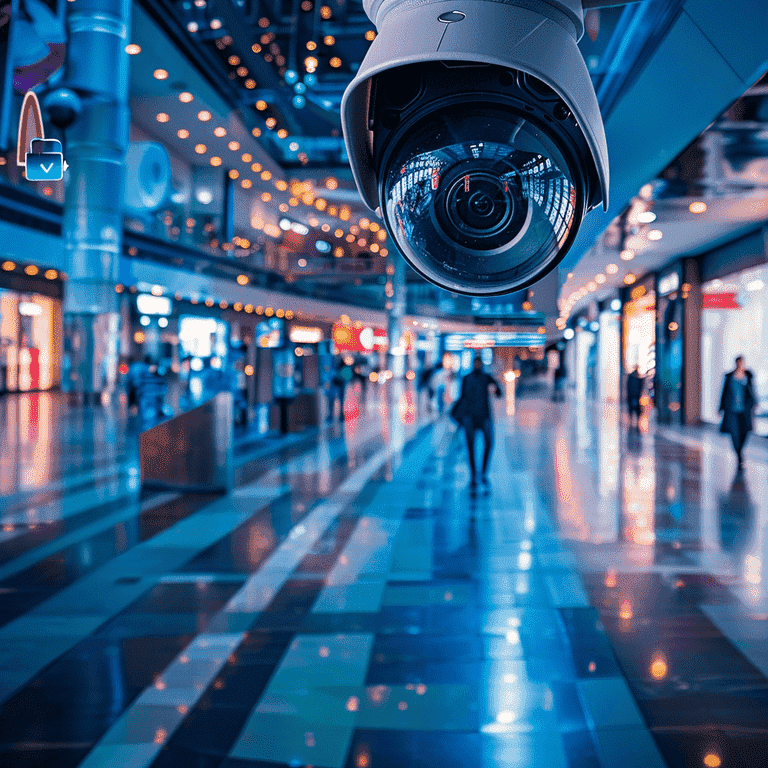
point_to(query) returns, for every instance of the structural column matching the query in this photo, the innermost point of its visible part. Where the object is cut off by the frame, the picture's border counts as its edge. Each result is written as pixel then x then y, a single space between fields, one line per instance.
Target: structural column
pixel 97 70
pixel 396 356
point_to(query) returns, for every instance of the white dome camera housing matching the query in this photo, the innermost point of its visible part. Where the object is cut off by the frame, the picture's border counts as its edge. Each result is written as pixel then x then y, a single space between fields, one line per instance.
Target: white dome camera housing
pixel 474 127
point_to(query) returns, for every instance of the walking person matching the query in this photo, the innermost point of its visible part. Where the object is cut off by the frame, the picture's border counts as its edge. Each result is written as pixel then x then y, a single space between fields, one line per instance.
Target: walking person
pixel 474 414
pixel 736 404
pixel 634 394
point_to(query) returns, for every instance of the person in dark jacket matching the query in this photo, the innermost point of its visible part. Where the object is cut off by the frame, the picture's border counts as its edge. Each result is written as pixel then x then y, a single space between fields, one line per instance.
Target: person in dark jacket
pixel 736 404
pixel 634 393
pixel 476 415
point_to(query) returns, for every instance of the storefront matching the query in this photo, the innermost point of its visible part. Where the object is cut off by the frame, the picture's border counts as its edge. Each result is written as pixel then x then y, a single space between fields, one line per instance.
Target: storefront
pixel 609 354
pixel 30 331
pixel 639 331
pixel 735 322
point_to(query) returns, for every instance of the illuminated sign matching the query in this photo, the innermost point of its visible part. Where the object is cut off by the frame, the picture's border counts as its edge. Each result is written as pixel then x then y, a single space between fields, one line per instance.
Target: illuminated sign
pixel 347 338
pixel 301 335
pixel 147 304
pixel 725 300
pixel 455 342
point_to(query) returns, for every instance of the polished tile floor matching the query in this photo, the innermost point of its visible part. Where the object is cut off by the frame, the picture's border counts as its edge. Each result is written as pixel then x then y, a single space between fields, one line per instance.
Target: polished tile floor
pixel 352 604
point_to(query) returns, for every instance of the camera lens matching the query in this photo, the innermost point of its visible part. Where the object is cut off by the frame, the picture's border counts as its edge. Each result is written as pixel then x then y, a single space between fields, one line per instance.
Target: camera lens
pixel 479 199
pixel 482 208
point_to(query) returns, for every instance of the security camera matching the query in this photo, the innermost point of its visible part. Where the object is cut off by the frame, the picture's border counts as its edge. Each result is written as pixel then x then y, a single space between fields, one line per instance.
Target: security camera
pixel 63 106
pixel 473 127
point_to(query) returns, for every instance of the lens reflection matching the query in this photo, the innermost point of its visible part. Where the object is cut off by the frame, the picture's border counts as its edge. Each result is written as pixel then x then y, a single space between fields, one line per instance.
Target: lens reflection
pixel 480 217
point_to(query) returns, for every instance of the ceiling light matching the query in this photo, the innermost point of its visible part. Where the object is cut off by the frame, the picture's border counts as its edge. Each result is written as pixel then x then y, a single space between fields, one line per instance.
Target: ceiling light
pixel 201 149
pixel 646 217
pixel 162 117
pixel 629 279
pixel 204 116
pixel 233 174
pixel 600 279
pixel 697 207
pixel 612 269
pixel 243 280
pixel 655 234
pixel 185 97
pixel 234 145
pixel 329 40
pixel 182 133
pixel 335 62
pixel 193 26
pixel 215 23
pixel 246 183
pixel 326 12
pixel 220 131
pixel 160 74
pixel 132 49
pixel 370 35
pixel 216 161
pixel 755 285
pixel 627 255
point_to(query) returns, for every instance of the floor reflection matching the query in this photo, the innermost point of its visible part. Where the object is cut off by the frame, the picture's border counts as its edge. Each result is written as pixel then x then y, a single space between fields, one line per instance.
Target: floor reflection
pixel 353 603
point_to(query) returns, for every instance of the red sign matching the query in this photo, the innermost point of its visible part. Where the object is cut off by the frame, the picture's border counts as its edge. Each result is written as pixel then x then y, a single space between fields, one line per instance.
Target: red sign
pixel 719 301
pixel 348 338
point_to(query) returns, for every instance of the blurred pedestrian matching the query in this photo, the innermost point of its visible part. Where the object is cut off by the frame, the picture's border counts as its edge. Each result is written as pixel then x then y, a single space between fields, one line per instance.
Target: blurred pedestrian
pixel 474 413
pixel 736 404
pixel 634 395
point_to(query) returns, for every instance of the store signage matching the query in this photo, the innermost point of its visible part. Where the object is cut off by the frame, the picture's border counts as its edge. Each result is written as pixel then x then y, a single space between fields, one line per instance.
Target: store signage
pixel 455 342
pixel 30 309
pixel 720 301
pixel 147 304
pixel 347 338
pixel 669 283
pixel 299 334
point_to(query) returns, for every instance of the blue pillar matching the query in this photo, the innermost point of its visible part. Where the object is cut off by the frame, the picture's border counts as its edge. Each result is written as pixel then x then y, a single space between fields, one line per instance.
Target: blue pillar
pixel 96 69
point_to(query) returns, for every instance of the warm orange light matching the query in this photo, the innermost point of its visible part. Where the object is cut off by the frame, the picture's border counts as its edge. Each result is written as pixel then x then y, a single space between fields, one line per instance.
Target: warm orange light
pixel 370 35
pixel 51 274
pixel 185 97
pixel 248 370
pixel 698 207
pixel 139 337
pixel 625 612
pixel 160 74
pixel 203 115
pixel 629 279
pixel 201 149
pixel 243 279
pixel 627 255
pixel 234 145
pixel 610 578
pixel 233 174
pixel 182 133
pixel 329 40
pixel 266 176
pixel 246 183
pixel 711 760
pixel 270 122
pixel 335 62
pixel 162 117
pixel 132 49
pixel 249 308
pixel 326 12
pixel 269 311
pixel 31 270
pixel 658 666
pixel 215 161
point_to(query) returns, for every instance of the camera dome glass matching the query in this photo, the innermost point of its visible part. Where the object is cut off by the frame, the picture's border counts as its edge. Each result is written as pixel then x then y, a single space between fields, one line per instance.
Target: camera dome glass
pixel 481 216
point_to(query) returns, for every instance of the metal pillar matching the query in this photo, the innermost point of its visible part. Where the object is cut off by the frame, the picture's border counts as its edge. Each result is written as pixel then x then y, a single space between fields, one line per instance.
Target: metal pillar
pixel 396 362
pixel 96 69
